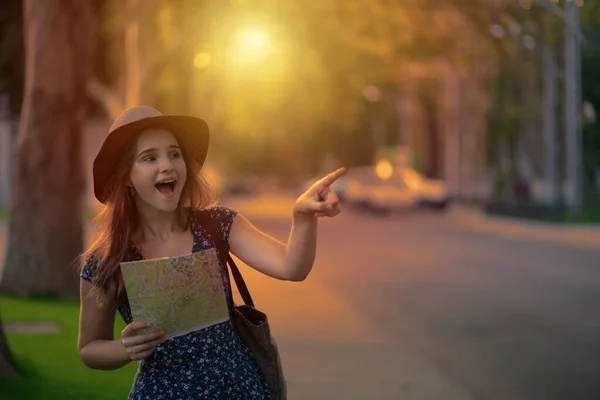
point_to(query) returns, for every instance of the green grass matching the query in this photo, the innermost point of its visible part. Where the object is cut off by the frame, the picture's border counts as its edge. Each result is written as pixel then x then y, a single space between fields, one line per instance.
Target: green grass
pixel 49 363
pixel 588 215
pixel 3 214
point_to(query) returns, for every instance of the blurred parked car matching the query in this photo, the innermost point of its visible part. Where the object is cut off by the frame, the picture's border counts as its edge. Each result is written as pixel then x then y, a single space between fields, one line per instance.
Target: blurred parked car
pixel 430 192
pixel 399 189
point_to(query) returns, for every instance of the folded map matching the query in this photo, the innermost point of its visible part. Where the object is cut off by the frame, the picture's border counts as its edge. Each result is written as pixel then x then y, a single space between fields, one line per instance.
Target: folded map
pixel 177 294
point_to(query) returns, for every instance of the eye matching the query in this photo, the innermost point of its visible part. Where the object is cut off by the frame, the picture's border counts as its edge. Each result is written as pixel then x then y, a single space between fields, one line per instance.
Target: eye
pixel 176 154
pixel 149 158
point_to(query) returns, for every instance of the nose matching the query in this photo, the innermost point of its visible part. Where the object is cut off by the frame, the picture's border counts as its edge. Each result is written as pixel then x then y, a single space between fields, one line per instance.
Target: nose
pixel 166 165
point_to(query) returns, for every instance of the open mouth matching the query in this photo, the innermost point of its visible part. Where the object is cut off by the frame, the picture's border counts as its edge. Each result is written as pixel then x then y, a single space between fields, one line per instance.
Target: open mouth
pixel 166 187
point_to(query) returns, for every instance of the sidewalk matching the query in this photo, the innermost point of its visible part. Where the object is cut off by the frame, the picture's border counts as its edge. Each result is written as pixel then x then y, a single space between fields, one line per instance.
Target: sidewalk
pixel 580 236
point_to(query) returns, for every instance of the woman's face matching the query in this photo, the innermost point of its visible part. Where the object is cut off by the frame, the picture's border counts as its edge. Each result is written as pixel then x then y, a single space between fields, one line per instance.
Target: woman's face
pixel 158 173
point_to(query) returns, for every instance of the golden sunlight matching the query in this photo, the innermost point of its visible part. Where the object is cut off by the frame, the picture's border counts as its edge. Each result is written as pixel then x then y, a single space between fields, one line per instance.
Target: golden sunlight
pixel 252 44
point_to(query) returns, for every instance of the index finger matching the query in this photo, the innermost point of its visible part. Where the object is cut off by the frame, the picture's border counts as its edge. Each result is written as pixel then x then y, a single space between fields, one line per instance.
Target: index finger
pixel 332 177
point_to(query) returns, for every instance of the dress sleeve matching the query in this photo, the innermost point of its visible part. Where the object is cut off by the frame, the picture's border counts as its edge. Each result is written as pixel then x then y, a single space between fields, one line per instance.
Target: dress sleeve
pixel 87 272
pixel 223 218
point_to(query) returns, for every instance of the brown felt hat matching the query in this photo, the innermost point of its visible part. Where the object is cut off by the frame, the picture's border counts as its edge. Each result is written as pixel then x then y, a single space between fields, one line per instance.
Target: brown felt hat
pixel 192 134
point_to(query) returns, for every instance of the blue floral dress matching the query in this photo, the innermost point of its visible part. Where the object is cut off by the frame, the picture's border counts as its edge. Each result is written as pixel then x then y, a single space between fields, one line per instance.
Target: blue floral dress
pixel 211 363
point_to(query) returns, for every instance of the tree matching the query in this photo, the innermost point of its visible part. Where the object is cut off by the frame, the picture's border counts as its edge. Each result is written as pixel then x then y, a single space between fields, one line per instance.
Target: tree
pixel 414 51
pixel 45 231
pixel 144 40
pixel 590 21
pixel 11 53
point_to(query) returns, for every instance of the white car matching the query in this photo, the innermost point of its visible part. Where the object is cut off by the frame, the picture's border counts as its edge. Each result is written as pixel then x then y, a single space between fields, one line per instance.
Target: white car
pixel 430 192
pixel 403 189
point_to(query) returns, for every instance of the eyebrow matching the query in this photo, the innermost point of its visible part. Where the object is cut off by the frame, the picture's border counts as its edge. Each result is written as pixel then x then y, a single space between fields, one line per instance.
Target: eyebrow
pixel 153 149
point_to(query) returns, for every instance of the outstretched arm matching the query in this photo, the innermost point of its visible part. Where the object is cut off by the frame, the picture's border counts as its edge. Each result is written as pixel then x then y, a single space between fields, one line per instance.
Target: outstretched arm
pixel 292 261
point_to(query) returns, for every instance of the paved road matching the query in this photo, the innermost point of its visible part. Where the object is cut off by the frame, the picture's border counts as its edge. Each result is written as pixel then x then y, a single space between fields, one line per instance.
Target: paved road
pixel 424 307
pixel 462 313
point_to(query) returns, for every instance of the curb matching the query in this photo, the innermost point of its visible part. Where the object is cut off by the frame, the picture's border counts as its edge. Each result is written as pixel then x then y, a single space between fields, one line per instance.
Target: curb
pixel 587 237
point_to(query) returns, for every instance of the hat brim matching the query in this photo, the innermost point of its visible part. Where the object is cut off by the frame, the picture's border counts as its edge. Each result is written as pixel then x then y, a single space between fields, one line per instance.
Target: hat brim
pixel 192 134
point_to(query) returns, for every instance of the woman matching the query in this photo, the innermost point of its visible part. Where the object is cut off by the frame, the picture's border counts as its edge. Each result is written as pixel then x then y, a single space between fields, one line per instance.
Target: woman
pixel 147 175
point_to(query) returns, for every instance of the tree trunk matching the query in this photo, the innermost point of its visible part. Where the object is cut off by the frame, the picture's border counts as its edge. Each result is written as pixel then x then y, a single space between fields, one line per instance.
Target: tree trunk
pixel 45 228
pixel 7 364
pixel 549 72
pixel 133 87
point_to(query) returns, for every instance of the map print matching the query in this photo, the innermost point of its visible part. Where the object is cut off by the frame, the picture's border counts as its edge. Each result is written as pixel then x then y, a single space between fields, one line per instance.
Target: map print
pixel 177 294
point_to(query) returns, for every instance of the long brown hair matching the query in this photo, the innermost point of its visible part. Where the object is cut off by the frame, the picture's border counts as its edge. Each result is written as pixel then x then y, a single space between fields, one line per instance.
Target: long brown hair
pixel 119 219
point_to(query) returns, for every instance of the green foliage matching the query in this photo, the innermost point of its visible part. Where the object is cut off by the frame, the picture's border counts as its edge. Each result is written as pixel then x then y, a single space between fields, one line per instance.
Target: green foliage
pixel 590 21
